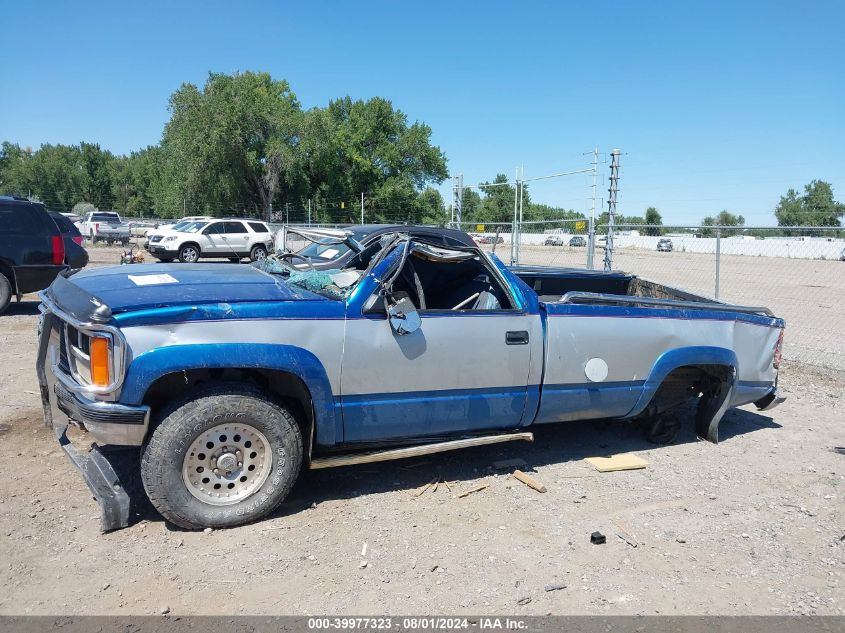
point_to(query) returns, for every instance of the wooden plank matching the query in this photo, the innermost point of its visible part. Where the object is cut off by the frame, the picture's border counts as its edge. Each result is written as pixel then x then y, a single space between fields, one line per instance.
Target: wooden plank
pixel 529 481
pixel 470 491
pixel 623 461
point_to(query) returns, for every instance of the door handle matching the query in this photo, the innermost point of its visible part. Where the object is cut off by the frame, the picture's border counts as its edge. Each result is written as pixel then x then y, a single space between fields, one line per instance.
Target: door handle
pixel 516 337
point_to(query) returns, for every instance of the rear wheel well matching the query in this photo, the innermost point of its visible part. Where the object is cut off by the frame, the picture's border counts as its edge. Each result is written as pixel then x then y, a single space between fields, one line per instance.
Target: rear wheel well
pixel 284 387
pixel 686 383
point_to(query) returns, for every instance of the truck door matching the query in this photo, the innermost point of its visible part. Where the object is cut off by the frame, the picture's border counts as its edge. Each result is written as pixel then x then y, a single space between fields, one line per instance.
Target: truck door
pixel 466 369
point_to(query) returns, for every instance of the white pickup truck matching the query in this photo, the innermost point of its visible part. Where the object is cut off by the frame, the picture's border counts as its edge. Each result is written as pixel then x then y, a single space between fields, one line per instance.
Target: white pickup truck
pixel 104 225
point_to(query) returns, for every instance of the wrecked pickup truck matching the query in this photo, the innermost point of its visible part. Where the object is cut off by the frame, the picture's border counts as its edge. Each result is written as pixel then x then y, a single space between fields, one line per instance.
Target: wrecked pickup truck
pixel 232 379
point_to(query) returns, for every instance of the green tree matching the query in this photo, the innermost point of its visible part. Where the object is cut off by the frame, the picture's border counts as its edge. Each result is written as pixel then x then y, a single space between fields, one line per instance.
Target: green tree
pixel 654 221
pixel 432 209
pixel 235 140
pixel 378 152
pixel 57 176
pixel 96 181
pixel 498 202
pixel 724 219
pixel 815 207
pixel 15 169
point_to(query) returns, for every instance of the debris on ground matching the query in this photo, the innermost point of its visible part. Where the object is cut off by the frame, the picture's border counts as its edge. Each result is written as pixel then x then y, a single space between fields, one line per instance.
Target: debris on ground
pixel 524 600
pixel 471 490
pixel 597 538
pixel 507 464
pixel 555 586
pixel 529 481
pixel 626 536
pixel 419 491
pixel 623 461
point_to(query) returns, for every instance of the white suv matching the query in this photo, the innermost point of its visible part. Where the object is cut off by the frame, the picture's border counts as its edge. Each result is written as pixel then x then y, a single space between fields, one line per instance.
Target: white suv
pixel 229 238
pixel 155 234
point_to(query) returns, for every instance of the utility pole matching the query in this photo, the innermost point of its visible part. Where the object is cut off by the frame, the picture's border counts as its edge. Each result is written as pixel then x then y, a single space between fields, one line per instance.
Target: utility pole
pixel 287 212
pixel 362 207
pixel 514 227
pixel 309 210
pixel 611 208
pixel 521 185
pixel 457 201
pixel 591 227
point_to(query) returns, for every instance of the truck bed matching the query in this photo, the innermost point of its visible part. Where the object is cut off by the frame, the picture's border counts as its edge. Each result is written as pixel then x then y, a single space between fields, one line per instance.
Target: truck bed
pixel 577 286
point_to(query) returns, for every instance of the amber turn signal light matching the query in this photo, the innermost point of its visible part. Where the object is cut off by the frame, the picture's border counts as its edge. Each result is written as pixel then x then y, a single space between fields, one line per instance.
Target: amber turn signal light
pixel 100 362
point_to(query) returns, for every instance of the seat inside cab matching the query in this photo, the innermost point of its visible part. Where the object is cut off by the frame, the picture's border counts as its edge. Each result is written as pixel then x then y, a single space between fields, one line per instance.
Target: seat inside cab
pixel 444 279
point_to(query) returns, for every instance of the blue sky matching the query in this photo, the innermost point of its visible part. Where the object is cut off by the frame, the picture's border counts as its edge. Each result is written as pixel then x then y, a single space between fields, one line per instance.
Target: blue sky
pixel 715 105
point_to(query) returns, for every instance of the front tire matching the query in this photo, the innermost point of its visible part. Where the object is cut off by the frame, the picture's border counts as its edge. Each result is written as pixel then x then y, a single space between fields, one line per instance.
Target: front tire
pixel 225 457
pixel 258 252
pixel 5 293
pixel 189 254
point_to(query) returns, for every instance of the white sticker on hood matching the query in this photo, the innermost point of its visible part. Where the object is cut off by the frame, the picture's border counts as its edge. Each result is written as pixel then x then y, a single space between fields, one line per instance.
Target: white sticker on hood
pixel 152 280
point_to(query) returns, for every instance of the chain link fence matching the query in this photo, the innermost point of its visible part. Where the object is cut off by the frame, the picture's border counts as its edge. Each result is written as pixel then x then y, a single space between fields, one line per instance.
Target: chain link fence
pixel 797 272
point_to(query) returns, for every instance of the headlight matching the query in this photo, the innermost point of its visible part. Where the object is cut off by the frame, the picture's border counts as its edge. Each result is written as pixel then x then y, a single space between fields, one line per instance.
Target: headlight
pixel 169 238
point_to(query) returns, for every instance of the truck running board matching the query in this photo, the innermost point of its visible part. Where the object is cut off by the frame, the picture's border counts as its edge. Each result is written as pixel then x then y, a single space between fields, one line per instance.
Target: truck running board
pixel 415 451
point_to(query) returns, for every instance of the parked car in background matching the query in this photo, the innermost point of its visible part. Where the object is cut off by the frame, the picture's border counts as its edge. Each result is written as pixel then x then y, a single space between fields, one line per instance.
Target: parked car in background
pixel 490 239
pixel 104 226
pixel 554 240
pixel 154 235
pixel 231 238
pixel 842 255
pixel 32 250
pixel 665 245
pixel 72 217
pixel 577 240
pixel 76 256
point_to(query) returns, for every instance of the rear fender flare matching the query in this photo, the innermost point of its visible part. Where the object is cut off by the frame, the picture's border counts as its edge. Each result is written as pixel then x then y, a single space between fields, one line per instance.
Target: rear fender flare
pixel 150 366
pixel 681 357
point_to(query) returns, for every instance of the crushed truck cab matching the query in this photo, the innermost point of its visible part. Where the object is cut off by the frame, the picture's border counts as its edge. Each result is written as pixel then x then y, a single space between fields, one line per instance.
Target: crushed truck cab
pixel 231 378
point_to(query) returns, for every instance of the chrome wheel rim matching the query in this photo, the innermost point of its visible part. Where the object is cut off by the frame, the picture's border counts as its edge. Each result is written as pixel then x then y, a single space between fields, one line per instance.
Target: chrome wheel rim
pixel 227 463
pixel 259 253
pixel 190 254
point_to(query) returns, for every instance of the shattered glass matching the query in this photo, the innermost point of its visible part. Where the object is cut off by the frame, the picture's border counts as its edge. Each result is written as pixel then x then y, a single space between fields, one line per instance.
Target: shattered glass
pixel 333 283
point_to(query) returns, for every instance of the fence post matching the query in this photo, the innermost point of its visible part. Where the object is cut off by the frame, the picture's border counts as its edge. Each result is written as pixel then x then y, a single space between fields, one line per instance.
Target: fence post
pixel 718 257
pixel 611 209
pixel 591 242
pixel 514 226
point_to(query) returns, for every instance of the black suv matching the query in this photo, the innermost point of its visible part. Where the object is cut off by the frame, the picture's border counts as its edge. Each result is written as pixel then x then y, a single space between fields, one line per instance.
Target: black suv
pixel 32 250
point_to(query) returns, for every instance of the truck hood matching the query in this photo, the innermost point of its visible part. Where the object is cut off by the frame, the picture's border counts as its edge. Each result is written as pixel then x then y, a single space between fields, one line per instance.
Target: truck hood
pixel 97 294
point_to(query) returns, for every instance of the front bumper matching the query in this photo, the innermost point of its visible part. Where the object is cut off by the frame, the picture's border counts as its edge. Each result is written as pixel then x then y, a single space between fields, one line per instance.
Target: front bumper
pixel 160 251
pixel 64 402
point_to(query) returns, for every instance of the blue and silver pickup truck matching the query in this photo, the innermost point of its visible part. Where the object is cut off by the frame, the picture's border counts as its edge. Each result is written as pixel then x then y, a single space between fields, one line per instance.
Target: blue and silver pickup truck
pixel 232 378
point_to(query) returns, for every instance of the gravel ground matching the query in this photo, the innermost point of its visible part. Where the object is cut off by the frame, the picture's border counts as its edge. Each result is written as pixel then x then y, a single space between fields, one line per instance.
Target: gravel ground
pixel 753 525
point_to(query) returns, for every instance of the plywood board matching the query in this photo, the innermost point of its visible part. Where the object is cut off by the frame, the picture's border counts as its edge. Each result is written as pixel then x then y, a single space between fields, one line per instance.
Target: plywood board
pixel 623 461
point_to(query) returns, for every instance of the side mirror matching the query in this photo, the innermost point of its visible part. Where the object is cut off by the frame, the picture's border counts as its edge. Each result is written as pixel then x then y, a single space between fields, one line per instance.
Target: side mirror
pixel 403 317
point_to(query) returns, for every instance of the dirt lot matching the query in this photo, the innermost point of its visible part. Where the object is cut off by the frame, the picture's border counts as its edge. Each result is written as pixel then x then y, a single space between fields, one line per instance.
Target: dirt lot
pixel 753 525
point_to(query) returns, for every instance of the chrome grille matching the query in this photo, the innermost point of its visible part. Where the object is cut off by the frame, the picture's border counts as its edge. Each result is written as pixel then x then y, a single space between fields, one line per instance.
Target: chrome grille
pixel 63 360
